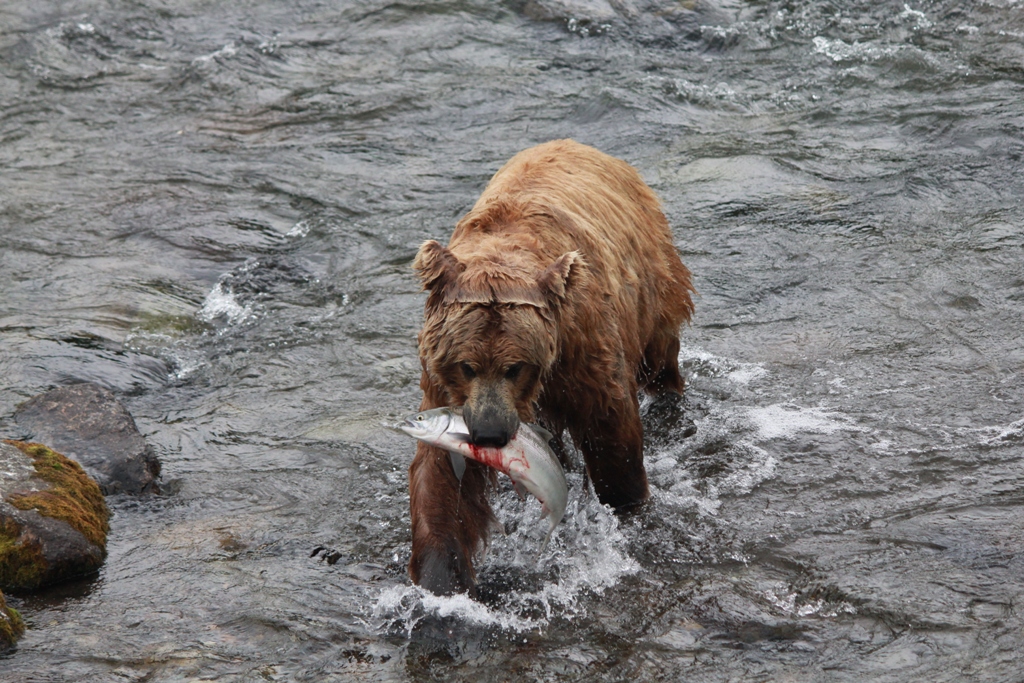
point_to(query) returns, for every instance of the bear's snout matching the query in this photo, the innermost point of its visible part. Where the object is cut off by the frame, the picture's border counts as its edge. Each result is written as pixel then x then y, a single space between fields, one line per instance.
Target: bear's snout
pixel 490 421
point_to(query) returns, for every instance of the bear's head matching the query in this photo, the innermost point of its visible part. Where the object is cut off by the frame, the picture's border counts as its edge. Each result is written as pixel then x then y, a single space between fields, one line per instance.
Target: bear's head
pixel 490 333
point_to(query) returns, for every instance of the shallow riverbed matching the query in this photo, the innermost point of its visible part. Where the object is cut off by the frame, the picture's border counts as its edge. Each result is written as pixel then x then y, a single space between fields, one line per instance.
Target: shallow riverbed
pixel 211 208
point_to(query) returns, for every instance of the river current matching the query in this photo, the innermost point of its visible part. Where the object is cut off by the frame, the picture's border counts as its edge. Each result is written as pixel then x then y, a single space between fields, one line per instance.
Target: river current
pixel 212 208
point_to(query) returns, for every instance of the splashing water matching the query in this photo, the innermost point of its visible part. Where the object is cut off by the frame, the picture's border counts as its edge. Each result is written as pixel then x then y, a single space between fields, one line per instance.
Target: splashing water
pixel 221 303
pixel 586 555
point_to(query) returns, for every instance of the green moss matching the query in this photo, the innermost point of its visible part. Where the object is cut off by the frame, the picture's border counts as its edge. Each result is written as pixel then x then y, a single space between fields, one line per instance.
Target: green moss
pixel 73 496
pixel 11 624
pixel 22 564
pixel 169 323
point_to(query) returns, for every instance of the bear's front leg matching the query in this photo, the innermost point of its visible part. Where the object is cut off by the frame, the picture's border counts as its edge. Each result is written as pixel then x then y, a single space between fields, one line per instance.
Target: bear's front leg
pixel 449 521
pixel 613 448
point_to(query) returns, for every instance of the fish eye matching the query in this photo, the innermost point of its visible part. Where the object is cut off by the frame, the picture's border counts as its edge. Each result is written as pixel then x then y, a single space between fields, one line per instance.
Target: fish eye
pixel 420 418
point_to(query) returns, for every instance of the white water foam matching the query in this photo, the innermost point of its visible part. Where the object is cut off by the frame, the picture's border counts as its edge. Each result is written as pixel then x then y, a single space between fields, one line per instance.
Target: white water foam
pixel 587 552
pixel 228 50
pixel 183 359
pixel 586 556
pixel 746 373
pixel 840 51
pixel 1012 433
pixel 674 473
pixel 707 364
pixel 920 19
pixel 300 229
pixel 221 303
pixel 72 30
pixel 786 419
pixel 400 608
pixel 785 600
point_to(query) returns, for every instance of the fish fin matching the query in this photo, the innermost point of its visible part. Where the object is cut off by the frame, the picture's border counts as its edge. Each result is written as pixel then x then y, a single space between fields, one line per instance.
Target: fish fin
pixel 520 489
pixel 545 434
pixel 458 464
pixel 459 436
pixel 544 512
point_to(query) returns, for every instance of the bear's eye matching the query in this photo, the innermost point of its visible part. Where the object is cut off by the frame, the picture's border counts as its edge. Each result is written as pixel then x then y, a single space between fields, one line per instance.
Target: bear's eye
pixel 467 370
pixel 513 371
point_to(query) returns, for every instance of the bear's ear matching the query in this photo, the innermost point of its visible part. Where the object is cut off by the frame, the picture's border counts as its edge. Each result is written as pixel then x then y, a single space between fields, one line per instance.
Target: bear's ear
pixel 436 266
pixel 558 278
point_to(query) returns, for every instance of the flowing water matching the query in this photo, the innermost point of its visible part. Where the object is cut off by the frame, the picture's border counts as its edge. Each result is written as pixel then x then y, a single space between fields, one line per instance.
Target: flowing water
pixel 212 208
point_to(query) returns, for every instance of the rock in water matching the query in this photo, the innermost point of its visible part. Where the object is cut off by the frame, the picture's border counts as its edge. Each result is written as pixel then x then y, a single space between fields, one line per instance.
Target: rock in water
pixel 11 625
pixel 87 423
pixel 53 518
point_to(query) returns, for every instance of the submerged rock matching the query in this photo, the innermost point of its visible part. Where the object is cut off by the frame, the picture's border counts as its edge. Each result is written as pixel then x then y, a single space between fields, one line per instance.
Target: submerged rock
pixel 53 518
pixel 11 625
pixel 87 423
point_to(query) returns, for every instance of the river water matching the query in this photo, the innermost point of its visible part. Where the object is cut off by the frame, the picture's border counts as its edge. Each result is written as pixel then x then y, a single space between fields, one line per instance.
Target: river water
pixel 211 208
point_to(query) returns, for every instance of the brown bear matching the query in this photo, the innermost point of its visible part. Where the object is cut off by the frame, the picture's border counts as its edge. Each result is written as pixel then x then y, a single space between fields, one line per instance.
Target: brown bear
pixel 558 297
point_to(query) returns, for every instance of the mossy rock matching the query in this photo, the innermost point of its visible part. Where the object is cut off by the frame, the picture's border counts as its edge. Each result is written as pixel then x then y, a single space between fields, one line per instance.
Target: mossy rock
pixel 11 625
pixel 53 518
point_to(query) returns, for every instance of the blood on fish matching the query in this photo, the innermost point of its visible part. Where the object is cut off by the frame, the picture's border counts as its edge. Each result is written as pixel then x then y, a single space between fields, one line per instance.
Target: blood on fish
pixel 488 456
pixel 545 481
pixel 494 457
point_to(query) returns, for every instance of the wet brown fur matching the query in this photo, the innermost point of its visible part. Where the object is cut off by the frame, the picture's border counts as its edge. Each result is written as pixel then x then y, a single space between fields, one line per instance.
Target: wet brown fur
pixel 565 269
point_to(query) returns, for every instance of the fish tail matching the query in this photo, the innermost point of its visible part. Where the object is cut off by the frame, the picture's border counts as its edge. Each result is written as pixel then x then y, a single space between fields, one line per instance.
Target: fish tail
pixel 544 543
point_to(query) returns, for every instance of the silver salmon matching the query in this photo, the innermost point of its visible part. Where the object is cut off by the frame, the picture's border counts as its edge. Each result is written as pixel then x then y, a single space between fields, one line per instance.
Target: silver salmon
pixel 527 458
